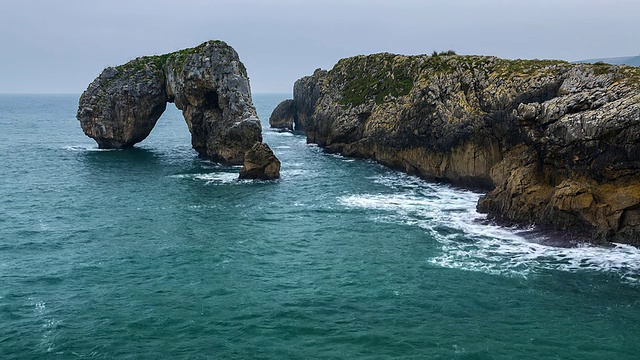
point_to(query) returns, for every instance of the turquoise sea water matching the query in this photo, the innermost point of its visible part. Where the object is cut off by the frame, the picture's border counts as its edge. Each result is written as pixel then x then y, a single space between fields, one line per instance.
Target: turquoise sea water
pixel 152 253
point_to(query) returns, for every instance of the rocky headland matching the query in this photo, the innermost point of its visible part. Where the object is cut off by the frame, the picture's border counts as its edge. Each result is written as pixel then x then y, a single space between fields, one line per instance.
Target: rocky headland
pixel 208 83
pixel 554 144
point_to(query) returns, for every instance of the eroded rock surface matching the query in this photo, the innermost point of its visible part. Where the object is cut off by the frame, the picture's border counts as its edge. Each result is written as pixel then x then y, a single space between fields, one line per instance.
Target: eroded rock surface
pixel 208 83
pixel 122 105
pixel 555 143
pixel 260 163
pixel 283 115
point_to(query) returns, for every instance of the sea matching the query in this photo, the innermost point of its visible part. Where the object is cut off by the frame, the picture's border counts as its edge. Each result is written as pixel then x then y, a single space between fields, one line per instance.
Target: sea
pixel 154 253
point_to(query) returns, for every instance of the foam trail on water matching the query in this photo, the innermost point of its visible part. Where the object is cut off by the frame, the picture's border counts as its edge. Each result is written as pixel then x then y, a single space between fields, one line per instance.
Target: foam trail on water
pixel 341 157
pixel 297 173
pixel 219 178
pixel 49 326
pixel 469 242
pixel 280 133
pixel 214 178
pixel 80 148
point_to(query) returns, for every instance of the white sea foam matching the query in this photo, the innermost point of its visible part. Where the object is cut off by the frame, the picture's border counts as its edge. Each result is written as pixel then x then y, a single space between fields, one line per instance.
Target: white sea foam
pixel 341 157
pixel 214 178
pixel 49 325
pixel 218 178
pixel 296 173
pixel 82 148
pixel 469 242
pixel 280 133
pixel 43 226
pixel 201 206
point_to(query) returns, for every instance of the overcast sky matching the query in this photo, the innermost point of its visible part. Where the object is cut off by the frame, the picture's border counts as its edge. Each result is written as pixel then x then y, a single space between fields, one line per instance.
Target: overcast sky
pixel 61 46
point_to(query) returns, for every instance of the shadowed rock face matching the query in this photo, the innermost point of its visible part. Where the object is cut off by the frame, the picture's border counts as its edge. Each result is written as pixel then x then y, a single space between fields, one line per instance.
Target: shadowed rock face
pixel 282 116
pixel 208 83
pixel 555 144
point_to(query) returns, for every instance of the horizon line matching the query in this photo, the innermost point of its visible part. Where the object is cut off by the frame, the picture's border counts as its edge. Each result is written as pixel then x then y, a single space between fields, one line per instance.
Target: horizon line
pixel 80 93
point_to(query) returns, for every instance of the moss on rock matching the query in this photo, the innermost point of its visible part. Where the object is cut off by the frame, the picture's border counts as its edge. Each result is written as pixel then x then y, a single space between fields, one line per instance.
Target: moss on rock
pixel 373 77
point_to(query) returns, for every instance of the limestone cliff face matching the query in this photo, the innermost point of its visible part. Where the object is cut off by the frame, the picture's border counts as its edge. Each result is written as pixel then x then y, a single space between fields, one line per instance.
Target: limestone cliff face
pixel 556 144
pixel 208 83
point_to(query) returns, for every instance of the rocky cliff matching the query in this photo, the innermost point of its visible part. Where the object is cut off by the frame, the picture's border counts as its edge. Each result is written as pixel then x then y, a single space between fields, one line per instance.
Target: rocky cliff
pixel 260 163
pixel 208 83
pixel 556 144
pixel 283 115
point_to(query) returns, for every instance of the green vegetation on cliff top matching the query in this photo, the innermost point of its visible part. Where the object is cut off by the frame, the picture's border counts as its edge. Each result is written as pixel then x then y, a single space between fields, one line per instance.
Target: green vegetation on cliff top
pixel 158 62
pixel 378 77
pixel 374 77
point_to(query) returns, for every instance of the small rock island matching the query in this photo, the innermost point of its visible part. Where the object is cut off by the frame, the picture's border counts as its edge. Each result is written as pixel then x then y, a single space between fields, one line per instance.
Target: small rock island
pixel 208 83
pixel 554 144
pixel 260 163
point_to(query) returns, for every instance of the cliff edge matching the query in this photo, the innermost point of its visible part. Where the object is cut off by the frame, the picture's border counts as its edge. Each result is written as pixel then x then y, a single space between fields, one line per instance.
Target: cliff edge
pixel 555 144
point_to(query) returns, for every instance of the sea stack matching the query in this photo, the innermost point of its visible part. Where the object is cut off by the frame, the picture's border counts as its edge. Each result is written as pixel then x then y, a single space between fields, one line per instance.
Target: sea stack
pixel 554 144
pixel 283 115
pixel 260 163
pixel 208 83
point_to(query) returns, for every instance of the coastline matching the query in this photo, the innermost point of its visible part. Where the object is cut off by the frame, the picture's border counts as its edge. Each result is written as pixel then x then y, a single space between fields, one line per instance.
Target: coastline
pixel 553 142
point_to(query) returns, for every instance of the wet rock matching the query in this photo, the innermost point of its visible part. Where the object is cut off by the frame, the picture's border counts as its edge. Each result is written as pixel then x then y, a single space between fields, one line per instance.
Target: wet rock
pixel 260 163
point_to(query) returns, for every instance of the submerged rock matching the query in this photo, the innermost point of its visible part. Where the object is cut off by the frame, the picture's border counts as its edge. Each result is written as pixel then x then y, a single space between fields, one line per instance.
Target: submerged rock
pixel 556 144
pixel 260 163
pixel 208 83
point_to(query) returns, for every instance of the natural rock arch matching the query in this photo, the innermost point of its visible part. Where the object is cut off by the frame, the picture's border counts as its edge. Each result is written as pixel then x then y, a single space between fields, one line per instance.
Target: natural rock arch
pixel 208 83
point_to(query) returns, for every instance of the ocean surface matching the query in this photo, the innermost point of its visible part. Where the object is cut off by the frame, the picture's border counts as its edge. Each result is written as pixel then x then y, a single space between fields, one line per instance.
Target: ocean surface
pixel 152 253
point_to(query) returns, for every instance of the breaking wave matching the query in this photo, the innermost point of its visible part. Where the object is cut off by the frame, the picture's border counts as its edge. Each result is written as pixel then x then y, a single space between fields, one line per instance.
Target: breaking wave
pixel 468 241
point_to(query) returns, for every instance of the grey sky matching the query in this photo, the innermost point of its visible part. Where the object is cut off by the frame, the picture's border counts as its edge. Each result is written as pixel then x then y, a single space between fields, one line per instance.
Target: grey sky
pixel 60 46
